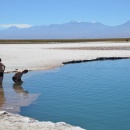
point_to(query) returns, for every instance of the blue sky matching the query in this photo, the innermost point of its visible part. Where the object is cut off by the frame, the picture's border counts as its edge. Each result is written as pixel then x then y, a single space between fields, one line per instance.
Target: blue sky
pixel 44 12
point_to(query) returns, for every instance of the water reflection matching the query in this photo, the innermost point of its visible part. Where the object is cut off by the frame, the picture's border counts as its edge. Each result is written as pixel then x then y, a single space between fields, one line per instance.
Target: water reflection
pixel 14 97
pixel 2 97
pixel 19 89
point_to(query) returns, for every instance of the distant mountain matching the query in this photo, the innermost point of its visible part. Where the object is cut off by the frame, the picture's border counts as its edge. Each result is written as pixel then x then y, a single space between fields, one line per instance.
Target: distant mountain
pixel 70 30
pixel 12 28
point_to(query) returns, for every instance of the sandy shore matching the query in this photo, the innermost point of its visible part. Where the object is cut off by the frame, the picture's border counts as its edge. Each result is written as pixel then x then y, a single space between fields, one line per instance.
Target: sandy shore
pixel 49 56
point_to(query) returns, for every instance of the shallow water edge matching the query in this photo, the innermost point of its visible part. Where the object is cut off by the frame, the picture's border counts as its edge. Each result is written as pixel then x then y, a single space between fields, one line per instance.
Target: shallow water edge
pixel 74 62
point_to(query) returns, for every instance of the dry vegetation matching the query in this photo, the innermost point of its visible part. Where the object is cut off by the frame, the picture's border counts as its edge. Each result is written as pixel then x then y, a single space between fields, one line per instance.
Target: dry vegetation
pixel 42 41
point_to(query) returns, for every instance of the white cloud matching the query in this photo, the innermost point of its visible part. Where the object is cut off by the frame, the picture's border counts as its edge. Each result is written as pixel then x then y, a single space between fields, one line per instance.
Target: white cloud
pixel 16 25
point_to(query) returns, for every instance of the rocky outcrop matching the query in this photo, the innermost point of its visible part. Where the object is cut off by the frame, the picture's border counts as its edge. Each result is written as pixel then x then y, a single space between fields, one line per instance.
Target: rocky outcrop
pixel 9 121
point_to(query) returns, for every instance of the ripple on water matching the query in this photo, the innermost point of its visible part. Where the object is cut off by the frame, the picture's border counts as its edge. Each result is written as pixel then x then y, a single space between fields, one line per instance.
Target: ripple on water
pixel 93 95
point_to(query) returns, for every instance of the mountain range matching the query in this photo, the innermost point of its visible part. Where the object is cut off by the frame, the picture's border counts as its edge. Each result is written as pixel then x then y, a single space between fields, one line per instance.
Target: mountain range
pixel 70 30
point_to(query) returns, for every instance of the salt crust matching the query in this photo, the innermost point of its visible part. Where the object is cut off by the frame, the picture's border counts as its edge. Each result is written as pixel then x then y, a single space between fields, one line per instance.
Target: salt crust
pixel 9 121
pixel 47 56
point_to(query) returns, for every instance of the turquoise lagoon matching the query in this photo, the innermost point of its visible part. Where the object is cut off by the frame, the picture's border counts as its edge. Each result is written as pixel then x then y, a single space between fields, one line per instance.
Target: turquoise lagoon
pixel 93 95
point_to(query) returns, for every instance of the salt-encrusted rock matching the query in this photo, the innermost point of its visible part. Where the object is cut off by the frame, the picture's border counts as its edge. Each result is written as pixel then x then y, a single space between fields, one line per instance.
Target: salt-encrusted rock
pixel 9 121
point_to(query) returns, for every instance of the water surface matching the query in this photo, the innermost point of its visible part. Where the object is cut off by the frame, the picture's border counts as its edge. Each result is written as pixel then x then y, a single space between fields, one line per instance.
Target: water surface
pixel 93 95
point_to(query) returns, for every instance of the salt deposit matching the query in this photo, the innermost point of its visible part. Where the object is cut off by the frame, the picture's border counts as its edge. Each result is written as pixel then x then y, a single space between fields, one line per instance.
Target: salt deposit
pixel 47 56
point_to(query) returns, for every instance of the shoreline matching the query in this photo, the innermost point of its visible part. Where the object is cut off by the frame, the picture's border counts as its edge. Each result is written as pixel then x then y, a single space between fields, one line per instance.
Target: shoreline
pixel 78 61
pixel 50 56
pixel 46 57
pixel 9 121
pixel 97 59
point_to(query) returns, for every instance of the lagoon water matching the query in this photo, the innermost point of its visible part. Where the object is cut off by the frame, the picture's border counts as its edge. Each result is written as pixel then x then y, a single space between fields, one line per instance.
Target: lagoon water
pixel 93 95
